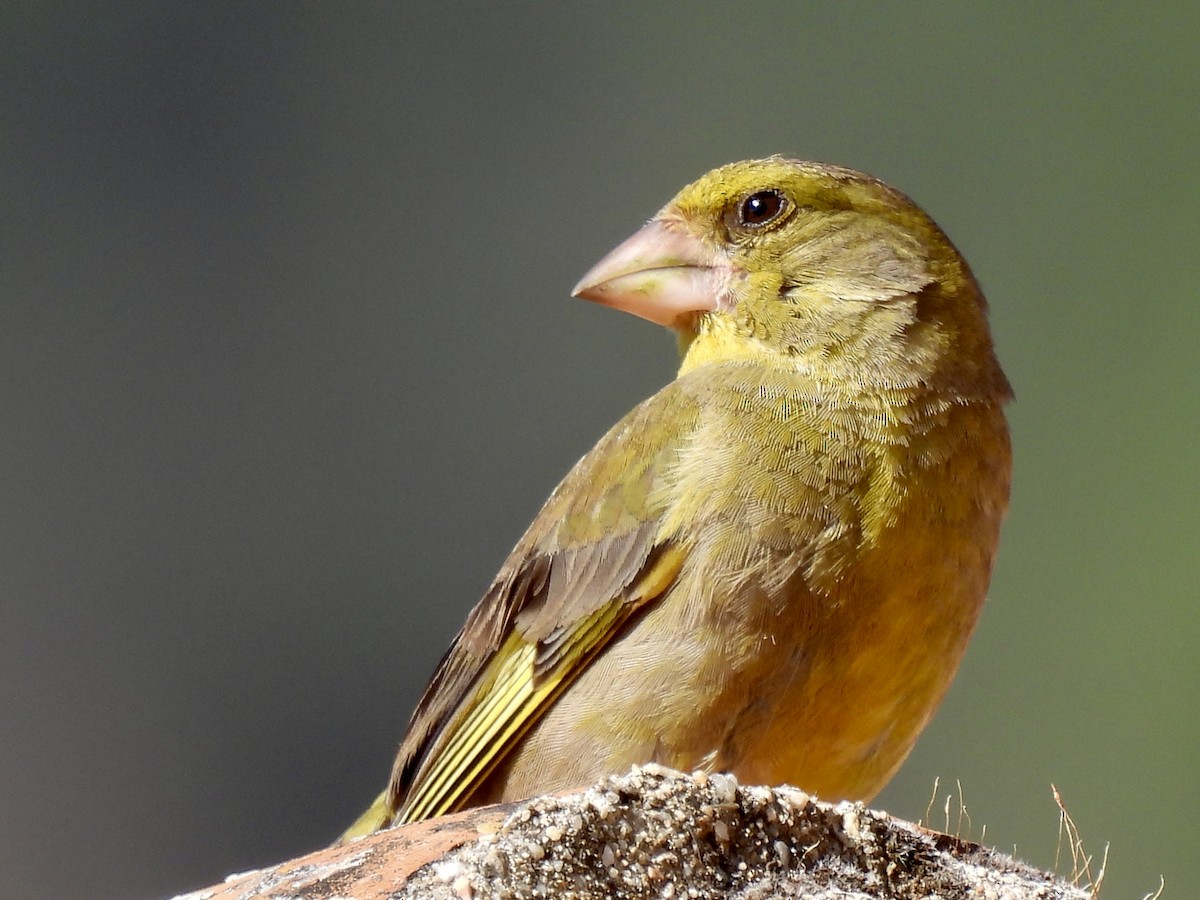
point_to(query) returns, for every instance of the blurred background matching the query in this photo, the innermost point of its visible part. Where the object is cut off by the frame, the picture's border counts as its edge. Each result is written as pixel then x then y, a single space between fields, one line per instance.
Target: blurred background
pixel 288 362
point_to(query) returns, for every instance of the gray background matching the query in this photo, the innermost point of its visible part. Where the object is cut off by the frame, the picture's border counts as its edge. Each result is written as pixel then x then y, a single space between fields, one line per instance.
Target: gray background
pixel 287 363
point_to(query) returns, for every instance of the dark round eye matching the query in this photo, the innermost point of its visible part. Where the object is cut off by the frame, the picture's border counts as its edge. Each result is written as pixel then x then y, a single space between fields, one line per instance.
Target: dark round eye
pixel 761 208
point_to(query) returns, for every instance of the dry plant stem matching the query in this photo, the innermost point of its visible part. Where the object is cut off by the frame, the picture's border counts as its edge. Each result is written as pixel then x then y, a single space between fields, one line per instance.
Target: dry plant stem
pixel 1081 861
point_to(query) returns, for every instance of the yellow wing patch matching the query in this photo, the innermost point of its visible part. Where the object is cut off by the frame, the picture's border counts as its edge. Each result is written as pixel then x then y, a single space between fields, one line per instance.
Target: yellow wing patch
pixel 518 684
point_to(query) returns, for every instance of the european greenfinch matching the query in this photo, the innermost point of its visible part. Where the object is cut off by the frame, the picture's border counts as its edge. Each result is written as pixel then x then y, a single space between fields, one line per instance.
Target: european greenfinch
pixel 772 567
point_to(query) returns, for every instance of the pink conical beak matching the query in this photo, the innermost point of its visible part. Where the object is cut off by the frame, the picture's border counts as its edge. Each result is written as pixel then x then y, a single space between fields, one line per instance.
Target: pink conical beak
pixel 662 273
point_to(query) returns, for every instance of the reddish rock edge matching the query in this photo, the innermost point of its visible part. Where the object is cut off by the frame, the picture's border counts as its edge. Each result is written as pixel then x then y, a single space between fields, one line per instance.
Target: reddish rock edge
pixel 372 867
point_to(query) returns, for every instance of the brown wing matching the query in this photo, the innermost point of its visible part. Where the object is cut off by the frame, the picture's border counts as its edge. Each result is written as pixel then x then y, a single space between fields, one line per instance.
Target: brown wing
pixel 593 556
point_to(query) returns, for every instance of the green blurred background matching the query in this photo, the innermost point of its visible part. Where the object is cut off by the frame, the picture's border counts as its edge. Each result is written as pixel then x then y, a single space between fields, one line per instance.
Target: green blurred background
pixel 288 363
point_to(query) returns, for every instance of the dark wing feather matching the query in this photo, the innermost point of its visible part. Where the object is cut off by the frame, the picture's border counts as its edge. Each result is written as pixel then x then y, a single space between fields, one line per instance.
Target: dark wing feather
pixel 592 556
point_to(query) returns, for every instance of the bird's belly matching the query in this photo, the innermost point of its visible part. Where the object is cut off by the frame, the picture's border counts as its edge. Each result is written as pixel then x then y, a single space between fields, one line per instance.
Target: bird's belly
pixel 828 694
pixel 851 714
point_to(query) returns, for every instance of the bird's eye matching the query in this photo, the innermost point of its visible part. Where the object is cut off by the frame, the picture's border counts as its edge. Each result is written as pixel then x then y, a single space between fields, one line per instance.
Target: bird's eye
pixel 761 208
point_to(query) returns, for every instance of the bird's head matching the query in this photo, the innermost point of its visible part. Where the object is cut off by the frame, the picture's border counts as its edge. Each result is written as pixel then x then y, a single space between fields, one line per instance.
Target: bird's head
pixel 804 265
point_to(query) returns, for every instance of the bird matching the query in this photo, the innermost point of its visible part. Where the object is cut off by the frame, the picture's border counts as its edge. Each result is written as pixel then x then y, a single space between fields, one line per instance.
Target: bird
pixel 772 566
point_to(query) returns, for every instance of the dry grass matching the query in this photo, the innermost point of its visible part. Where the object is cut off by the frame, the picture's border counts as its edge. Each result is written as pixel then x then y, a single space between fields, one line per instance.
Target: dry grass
pixel 1081 861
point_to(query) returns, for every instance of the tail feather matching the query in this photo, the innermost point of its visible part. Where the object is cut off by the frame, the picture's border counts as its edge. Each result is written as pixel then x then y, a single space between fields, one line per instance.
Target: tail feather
pixel 377 816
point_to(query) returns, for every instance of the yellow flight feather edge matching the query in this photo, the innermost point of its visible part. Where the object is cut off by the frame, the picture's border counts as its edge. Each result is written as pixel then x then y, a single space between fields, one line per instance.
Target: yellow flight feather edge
pixel 474 737
pixel 510 706
pixel 513 694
